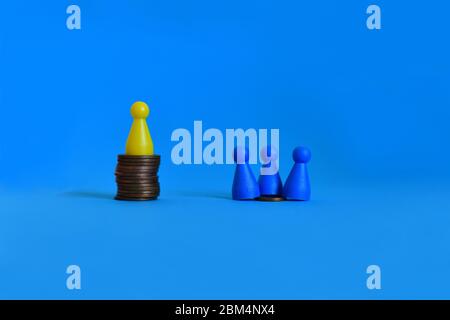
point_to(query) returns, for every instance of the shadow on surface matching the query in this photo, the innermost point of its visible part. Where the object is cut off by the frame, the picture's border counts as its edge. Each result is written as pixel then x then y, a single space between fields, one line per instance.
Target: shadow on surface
pixel 203 194
pixel 89 194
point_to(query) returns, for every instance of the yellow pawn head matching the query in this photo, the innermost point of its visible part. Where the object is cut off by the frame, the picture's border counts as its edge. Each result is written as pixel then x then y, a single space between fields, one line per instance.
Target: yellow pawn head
pixel 139 141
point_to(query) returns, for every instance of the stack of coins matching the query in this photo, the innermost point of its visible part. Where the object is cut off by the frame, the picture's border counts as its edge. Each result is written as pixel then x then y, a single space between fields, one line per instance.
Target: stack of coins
pixel 137 177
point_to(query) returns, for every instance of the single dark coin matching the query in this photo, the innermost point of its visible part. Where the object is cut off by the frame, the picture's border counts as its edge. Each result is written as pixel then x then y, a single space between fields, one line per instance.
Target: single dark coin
pixel 141 182
pixel 149 164
pixel 136 190
pixel 134 168
pixel 133 178
pixel 138 171
pixel 139 191
pixel 139 163
pixel 152 171
pixel 138 158
pixel 146 187
pixel 137 183
pixel 270 198
pixel 117 197
pixel 137 194
pixel 134 175
pixel 130 173
pixel 137 168
pixel 148 190
pixel 131 196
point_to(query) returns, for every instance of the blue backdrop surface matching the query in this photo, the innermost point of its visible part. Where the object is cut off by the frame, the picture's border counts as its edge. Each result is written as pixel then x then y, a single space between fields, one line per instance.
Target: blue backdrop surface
pixel 373 106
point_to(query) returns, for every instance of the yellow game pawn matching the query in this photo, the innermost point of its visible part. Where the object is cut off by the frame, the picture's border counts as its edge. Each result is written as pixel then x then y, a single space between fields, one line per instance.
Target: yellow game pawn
pixel 139 141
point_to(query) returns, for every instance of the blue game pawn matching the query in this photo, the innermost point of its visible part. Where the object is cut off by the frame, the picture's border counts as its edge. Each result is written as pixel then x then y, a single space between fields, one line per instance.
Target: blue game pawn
pixel 297 186
pixel 269 180
pixel 245 186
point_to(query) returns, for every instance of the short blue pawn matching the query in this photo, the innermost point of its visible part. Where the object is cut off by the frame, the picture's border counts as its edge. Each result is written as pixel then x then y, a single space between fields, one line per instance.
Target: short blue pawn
pixel 245 186
pixel 297 186
pixel 269 180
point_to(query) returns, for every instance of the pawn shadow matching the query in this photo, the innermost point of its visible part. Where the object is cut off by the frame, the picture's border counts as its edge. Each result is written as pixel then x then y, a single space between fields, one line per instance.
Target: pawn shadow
pixel 203 194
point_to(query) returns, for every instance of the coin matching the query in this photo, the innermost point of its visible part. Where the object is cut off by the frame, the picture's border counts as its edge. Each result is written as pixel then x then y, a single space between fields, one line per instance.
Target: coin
pixel 136 194
pixel 126 158
pixel 139 163
pixel 131 196
pixel 133 192
pixel 270 198
pixel 137 167
pixel 143 192
pixel 135 199
pixel 146 187
pixel 134 175
pixel 136 184
pixel 141 182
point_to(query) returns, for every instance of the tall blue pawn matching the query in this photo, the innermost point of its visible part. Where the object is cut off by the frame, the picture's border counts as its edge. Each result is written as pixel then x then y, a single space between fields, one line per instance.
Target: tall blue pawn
pixel 297 186
pixel 269 179
pixel 245 186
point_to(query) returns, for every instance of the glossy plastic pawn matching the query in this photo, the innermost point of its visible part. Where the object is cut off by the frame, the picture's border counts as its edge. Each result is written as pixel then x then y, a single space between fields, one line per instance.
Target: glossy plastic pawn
pixel 245 186
pixel 139 142
pixel 297 186
pixel 270 184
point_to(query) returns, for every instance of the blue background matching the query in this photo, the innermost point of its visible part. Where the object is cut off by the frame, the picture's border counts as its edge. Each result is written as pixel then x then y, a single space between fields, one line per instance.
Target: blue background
pixel 373 106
